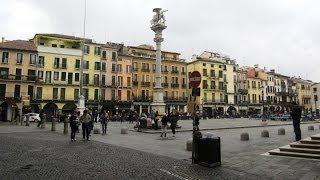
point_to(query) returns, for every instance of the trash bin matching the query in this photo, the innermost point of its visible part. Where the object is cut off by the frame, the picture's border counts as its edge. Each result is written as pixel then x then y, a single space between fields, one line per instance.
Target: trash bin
pixel 207 151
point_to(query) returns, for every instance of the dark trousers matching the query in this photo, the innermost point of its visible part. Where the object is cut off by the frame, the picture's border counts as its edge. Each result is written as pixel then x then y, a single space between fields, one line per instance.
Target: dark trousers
pixel 85 130
pixel 73 133
pixel 297 130
pixel 173 129
pixel 39 123
pixel 104 128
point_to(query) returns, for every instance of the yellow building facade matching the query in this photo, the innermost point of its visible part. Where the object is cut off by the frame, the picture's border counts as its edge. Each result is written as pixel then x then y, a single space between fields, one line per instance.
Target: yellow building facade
pixel 174 78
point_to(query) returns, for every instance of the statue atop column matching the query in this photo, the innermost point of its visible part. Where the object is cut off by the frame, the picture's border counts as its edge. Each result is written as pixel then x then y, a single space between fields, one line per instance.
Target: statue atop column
pixel 158 20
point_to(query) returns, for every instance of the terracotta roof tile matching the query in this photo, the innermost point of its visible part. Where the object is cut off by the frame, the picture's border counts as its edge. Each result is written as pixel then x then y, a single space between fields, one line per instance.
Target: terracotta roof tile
pixel 18 45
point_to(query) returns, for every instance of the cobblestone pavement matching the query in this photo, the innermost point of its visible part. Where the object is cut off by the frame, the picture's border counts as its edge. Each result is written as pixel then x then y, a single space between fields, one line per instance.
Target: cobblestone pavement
pixel 46 155
pixel 239 157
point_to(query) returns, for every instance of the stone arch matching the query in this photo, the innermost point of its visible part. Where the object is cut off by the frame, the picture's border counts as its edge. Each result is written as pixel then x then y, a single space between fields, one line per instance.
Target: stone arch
pixel 231 111
pixel 50 110
pixel 69 108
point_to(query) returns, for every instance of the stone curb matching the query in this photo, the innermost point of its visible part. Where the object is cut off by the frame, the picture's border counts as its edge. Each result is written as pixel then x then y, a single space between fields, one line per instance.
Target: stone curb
pixel 237 127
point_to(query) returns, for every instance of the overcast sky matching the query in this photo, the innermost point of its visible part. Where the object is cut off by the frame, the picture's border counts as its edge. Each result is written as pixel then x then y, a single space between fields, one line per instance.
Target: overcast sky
pixel 276 34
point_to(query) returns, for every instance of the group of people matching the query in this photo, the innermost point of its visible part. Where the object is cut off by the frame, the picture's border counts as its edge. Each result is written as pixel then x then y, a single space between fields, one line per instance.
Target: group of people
pixel 86 120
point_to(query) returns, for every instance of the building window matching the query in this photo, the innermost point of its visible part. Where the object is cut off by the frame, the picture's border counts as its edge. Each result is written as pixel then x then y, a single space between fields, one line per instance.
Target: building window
pixel 97 66
pixel 86 93
pixel 96 94
pixel 48 76
pixel 119 95
pixel 204 72
pixel 31 75
pixel 96 80
pixel 41 61
pixel 40 74
pixel 85 64
pixel 63 76
pixel 30 91
pixel 19 58
pixel 18 74
pixel 77 64
pixel 85 79
pixel 220 74
pixel 76 94
pixel 61 46
pixel 39 93
pixel 17 91
pixel 204 64
pixel 76 77
pixel 104 54
pixel 86 49
pixel 119 68
pixel 54 45
pixel 64 63
pixel 103 66
pixel 56 76
pixel 113 94
pixel 62 93
pixel 97 51
pixel 128 95
pixel 103 94
pixel 113 80
pixel 56 63
pixel 128 81
pixel 114 56
pixel 5 57
pixel 103 80
pixel 120 81
pixel 113 68
pixel 33 59
pixel 128 69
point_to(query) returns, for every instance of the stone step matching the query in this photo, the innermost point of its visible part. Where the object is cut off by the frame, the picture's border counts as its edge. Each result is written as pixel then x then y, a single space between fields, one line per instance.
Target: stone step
pixel 308 146
pixel 317 138
pixel 294 154
pixel 310 141
pixel 300 150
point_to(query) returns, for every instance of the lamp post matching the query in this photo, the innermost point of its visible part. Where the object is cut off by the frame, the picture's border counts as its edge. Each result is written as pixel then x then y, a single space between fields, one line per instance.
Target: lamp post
pixel 158 25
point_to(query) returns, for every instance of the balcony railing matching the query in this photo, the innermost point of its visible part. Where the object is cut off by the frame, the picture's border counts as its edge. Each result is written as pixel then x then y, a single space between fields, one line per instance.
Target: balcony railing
pixel 243 91
pixel 165 85
pixel 145 70
pixel 175 99
pixel 135 83
pixel 135 69
pixel 184 85
pixel 174 72
pixel 145 84
pixel 142 99
pixel 165 71
pixel 174 85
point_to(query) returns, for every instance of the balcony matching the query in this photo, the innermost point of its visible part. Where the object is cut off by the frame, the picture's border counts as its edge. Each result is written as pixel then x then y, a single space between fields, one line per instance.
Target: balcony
pixel 135 69
pixel 142 99
pixel 174 72
pixel 306 96
pixel 243 91
pixel 175 99
pixel 165 85
pixel 165 71
pixel 145 70
pixel 145 84
pixel 135 83
pixel 184 86
pixel 174 85
pixel 183 73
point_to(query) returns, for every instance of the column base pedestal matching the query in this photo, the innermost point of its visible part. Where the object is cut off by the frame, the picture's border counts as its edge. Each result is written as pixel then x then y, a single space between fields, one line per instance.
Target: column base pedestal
pixel 158 103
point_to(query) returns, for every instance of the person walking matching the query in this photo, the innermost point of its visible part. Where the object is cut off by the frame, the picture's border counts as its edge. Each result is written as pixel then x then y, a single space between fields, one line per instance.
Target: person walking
pixel 104 118
pixel 156 119
pixel 164 123
pixel 41 119
pixel 73 120
pixel 173 120
pixel 86 121
pixel 296 116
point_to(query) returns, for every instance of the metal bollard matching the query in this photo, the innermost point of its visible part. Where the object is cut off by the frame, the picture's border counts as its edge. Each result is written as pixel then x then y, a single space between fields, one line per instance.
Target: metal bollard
pixel 65 126
pixel 27 120
pixel 43 125
pixel 53 125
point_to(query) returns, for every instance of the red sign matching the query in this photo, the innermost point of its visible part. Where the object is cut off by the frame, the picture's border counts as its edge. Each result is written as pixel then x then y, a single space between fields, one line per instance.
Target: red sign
pixel 195 79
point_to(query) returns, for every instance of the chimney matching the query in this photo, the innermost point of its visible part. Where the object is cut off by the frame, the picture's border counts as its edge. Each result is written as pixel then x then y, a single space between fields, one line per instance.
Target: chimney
pixel 2 39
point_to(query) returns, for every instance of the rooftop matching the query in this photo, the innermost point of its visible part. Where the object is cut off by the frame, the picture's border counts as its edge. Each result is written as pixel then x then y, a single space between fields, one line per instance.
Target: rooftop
pixel 21 45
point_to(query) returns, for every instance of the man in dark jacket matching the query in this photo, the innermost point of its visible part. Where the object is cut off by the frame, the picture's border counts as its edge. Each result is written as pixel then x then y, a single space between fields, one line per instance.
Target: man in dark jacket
pixel 74 125
pixel 196 122
pixel 164 123
pixel 174 117
pixel 296 116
